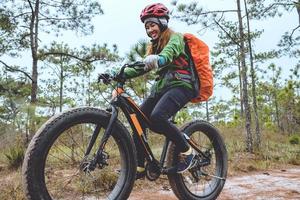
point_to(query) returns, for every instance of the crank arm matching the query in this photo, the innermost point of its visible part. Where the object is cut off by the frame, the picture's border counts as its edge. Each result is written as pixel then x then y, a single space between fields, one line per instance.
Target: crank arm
pixel 170 170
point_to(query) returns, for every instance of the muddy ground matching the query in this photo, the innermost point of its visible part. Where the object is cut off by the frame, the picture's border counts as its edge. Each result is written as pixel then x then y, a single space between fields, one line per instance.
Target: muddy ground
pixel 268 185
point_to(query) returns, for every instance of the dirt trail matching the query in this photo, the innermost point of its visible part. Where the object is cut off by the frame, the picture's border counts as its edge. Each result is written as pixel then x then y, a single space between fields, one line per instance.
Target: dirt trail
pixel 271 185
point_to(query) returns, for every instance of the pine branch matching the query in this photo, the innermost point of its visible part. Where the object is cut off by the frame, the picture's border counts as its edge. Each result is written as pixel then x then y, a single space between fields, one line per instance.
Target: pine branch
pixel 31 7
pixel 275 4
pixel 87 60
pixel 217 11
pixel 290 37
pixel 15 70
pixel 223 29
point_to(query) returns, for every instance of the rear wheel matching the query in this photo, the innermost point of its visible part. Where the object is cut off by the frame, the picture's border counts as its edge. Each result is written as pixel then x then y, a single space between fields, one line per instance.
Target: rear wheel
pixel 54 162
pixel 205 180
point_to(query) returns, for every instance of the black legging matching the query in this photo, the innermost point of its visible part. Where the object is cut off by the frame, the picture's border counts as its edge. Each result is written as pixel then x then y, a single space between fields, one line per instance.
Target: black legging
pixel 160 109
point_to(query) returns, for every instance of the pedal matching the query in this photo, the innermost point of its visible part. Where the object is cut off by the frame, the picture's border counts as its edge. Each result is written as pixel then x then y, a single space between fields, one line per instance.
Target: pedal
pixel 109 109
pixel 171 170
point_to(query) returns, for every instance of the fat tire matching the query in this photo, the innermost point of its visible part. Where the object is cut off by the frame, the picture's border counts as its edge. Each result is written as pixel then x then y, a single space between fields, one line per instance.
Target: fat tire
pixel 36 154
pixel 176 181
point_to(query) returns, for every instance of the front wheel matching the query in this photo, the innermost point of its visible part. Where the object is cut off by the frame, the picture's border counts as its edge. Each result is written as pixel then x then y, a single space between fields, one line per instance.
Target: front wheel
pixel 206 178
pixel 55 161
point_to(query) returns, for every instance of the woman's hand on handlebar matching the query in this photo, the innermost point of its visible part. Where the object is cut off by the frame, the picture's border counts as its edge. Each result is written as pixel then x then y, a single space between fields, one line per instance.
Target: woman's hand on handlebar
pixel 106 78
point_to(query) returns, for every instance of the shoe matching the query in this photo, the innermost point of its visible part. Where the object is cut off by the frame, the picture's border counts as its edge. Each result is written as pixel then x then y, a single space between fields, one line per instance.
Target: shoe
pixel 185 162
pixel 140 173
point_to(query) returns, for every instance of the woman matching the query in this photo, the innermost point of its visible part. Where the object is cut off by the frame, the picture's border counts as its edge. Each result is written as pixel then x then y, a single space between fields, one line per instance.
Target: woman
pixel 173 88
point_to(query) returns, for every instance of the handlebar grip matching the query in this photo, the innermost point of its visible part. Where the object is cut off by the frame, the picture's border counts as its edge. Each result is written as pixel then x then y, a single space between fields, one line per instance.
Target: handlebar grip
pixel 107 78
pixel 137 64
pixel 104 78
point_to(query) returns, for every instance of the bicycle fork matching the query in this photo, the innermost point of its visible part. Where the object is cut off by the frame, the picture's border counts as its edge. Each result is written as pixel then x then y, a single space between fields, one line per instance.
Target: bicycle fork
pixel 100 157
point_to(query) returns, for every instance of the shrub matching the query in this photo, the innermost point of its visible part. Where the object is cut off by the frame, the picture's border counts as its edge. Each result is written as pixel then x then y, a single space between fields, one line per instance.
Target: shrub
pixel 294 139
pixel 15 156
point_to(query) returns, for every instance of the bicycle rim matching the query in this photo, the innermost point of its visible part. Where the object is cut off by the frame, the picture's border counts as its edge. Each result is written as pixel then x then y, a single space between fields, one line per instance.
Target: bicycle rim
pixel 65 180
pixel 206 178
pixel 200 180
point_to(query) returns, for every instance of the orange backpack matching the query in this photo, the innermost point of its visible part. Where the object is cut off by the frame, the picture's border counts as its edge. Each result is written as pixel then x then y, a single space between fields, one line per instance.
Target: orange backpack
pixel 202 71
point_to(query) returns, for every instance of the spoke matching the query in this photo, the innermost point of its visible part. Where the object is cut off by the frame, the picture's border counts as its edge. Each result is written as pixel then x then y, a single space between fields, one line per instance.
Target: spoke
pixel 209 185
pixel 71 178
pixel 74 140
pixel 208 174
pixel 58 158
pixel 72 150
pixel 61 188
pixel 203 186
pixel 66 155
pixel 63 177
pixel 72 175
pixel 196 188
pixel 91 178
pixel 82 138
pixel 218 177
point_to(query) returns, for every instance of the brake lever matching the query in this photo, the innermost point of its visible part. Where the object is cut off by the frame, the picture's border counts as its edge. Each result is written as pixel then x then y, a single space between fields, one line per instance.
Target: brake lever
pixel 107 78
pixel 104 78
pixel 136 65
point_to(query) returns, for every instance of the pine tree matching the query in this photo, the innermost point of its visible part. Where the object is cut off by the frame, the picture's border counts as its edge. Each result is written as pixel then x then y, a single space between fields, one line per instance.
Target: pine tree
pixel 32 17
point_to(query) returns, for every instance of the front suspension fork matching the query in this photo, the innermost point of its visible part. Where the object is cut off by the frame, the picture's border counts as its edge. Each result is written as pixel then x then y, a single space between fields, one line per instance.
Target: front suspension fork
pixel 100 155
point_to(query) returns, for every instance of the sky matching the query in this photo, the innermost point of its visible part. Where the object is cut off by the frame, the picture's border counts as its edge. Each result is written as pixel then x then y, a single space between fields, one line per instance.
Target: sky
pixel 121 25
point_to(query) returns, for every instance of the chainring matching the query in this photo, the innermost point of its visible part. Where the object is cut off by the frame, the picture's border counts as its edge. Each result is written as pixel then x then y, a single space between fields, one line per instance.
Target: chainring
pixel 153 170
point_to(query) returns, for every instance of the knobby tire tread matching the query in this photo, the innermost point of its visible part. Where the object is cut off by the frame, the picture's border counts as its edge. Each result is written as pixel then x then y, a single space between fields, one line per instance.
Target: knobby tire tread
pixel 28 175
pixel 175 180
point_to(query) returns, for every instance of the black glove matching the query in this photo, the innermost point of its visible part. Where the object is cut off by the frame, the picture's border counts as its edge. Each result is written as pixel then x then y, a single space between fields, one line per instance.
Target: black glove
pixel 104 78
pixel 118 78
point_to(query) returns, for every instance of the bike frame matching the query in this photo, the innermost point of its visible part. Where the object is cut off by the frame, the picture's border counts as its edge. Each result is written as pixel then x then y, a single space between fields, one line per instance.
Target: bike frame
pixel 138 121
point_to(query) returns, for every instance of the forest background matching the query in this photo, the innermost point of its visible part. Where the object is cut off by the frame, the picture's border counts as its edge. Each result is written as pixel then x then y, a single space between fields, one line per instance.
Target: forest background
pixel 52 51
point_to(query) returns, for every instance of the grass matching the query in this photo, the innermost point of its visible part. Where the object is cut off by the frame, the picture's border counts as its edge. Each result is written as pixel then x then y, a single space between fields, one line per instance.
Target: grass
pixel 11 187
pixel 277 151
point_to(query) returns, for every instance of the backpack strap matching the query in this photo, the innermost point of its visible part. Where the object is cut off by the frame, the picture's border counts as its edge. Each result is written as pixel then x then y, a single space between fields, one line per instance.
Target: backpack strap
pixel 194 76
pixel 182 75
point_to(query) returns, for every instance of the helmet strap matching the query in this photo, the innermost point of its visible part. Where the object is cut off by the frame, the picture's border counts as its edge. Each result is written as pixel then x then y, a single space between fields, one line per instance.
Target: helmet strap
pixel 161 26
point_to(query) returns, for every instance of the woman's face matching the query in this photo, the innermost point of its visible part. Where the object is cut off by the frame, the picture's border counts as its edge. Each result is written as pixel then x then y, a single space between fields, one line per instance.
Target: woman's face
pixel 152 30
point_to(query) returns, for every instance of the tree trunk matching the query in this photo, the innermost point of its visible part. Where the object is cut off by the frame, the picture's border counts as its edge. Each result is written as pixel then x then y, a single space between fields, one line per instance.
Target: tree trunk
pixel 249 138
pixel 253 79
pixel 88 89
pixel 241 86
pixel 34 82
pixel 33 28
pixel 277 112
pixel 207 111
pixel 61 85
pixel 34 47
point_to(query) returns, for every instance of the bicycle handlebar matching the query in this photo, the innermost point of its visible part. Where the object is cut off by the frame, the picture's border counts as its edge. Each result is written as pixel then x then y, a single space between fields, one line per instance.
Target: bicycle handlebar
pixel 107 78
pixel 133 65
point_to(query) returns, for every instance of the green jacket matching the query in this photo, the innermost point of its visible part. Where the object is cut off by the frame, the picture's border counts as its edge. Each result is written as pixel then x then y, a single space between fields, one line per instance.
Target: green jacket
pixel 175 57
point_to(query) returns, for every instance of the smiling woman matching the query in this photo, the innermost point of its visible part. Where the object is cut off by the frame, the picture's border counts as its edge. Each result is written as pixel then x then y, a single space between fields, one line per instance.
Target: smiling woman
pixel 173 88
pixel 153 30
